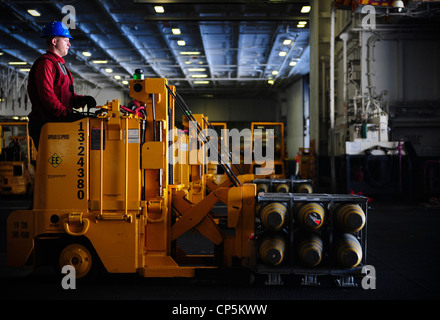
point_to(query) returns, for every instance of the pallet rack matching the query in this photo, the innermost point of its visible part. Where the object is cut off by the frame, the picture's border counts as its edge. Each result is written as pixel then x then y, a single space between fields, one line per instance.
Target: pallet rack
pixel 329 232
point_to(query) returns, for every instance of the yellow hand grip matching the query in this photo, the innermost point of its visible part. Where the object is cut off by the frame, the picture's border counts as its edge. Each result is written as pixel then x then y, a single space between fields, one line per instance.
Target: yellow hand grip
pixel 164 211
pixel 85 227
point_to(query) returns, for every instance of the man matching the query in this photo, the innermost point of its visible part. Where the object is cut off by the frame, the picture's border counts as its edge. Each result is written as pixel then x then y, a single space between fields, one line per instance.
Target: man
pixel 50 85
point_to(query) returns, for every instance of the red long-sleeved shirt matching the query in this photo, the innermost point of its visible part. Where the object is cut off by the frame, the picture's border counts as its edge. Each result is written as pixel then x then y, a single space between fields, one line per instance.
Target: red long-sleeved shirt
pixel 50 88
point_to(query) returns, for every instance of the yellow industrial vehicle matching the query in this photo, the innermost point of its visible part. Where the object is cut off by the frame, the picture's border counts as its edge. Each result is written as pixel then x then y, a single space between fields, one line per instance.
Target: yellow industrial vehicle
pixel 17 158
pixel 277 130
pixel 117 191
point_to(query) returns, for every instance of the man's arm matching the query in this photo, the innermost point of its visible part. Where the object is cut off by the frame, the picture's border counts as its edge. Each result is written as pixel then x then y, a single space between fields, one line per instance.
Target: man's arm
pixel 45 75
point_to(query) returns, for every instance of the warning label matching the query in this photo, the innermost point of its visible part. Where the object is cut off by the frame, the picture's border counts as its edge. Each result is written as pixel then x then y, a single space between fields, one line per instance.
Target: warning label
pixel 55 160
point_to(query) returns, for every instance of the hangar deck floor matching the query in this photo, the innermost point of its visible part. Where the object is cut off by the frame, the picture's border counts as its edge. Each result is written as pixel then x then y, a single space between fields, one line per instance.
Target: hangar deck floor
pixel 403 246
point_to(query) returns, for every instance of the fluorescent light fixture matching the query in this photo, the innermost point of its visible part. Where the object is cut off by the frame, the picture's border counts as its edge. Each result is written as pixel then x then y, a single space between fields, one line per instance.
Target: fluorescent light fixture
pixel 124 82
pixel 86 54
pixel 300 25
pixel 175 31
pixel 34 13
pixel 201 82
pixel 270 82
pixel 197 69
pixel 117 77
pixel 275 72
pixel 199 76
pixel 302 22
pixel 287 42
pixel 292 63
pixel 17 63
pixel 25 69
pixel 306 9
pixel 181 42
pixel 188 62
pixel 159 9
pixel 109 70
pixel 191 53
pixel 100 61
pixel 283 53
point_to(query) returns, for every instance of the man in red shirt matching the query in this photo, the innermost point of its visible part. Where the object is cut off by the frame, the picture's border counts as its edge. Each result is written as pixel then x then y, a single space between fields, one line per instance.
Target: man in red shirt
pixel 50 85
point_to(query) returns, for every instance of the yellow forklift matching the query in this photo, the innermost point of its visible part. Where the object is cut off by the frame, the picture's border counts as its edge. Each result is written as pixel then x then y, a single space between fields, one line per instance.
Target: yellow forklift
pixel 17 158
pixel 116 192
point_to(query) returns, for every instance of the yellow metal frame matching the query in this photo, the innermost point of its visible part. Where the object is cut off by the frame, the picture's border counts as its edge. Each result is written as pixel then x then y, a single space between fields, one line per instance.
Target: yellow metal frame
pixel 114 192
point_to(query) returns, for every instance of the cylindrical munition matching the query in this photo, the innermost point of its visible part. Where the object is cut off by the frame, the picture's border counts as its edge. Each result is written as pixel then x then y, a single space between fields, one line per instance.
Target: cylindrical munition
pixel 272 250
pixel 273 216
pixel 282 188
pixel 262 187
pixel 310 250
pixel 310 216
pixel 348 251
pixel 304 188
pixel 350 217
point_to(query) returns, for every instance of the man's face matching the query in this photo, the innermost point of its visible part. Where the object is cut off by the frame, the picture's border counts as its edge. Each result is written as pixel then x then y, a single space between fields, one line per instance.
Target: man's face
pixel 61 45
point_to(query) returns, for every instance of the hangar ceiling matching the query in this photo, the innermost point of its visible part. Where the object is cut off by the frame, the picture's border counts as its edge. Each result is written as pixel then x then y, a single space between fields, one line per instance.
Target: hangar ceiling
pixel 233 47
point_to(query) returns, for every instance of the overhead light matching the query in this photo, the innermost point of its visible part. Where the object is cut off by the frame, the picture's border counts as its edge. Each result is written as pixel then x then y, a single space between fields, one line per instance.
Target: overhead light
pixel 1 53
pixel 199 76
pixel 159 9
pixel 302 22
pixel 292 63
pixel 287 42
pixel 192 53
pixel 282 53
pixel 275 72
pixel 108 70
pixel 188 62
pixel 175 31
pixel 17 63
pixel 306 9
pixel 100 61
pixel 124 82
pixel 270 82
pixel 300 25
pixel 181 42
pixel 86 54
pixel 196 69
pixel 201 82
pixel 24 69
pixel 34 13
pixel 399 5
pixel 117 77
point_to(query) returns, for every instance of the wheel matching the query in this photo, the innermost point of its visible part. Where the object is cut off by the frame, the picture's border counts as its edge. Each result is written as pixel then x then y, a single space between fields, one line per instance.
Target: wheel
pixel 81 258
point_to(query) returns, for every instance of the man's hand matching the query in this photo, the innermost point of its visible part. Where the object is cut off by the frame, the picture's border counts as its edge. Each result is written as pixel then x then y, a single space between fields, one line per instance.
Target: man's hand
pixel 89 101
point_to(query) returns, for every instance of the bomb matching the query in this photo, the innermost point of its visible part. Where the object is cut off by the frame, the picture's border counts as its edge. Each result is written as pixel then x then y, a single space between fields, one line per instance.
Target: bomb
pixel 310 249
pixel 348 251
pixel 350 218
pixel 310 216
pixel 304 188
pixel 282 188
pixel 272 250
pixel 262 187
pixel 273 216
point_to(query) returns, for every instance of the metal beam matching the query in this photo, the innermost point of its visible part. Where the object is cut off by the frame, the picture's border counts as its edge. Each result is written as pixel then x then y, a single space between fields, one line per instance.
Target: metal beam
pixel 225 18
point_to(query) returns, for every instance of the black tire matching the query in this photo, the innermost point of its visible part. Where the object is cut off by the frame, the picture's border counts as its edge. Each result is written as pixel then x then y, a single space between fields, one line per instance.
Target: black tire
pixel 82 256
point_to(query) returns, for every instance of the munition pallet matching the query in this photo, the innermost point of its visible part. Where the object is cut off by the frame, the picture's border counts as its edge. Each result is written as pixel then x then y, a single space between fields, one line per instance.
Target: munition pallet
pixel 283 185
pixel 311 235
